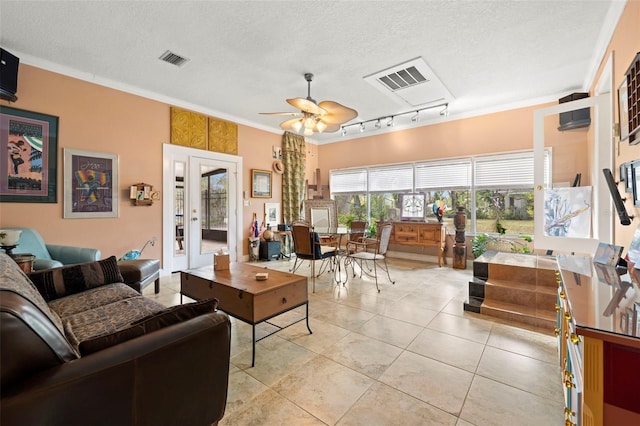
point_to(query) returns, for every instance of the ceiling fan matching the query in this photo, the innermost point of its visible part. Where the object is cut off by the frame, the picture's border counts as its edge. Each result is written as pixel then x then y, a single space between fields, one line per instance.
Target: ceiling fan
pixel 326 116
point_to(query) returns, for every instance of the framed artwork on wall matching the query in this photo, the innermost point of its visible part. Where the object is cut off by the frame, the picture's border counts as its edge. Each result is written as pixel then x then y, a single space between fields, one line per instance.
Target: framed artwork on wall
pixel 272 214
pixel 260 183
pixel 90 184
pixel 28 156
pixel 623 110
pixel 628 182
pixel 635 173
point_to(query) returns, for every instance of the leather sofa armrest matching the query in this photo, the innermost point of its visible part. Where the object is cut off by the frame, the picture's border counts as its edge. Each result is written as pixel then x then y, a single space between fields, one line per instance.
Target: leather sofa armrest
pixel 176 375
pixel 69 255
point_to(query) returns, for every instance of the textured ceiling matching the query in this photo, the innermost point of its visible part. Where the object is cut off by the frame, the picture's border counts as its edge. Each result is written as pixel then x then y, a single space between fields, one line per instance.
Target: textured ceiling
pixel 247 57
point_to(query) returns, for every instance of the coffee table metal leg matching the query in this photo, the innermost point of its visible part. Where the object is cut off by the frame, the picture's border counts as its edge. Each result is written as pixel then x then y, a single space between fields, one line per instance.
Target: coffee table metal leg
pixel 253 353
pixel 308 328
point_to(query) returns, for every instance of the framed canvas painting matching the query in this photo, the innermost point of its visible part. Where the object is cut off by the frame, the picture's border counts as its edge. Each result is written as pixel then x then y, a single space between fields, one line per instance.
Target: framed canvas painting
pixel 90 184
pixel 28 156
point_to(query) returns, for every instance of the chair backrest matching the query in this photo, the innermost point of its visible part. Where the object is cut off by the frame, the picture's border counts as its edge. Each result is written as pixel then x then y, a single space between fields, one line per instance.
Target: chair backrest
pixel 384 232
pixel 357 230
pixel 301 231
pixel 31 242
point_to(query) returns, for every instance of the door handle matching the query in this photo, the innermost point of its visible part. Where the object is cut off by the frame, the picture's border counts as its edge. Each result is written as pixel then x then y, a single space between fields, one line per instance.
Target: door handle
pixel 195 219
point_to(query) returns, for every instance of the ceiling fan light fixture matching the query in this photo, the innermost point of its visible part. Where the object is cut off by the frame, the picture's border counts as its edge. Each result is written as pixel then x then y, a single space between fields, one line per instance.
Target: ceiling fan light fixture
pixel 309 122
pixel 297 125
pixel 320 126
pixel 308 132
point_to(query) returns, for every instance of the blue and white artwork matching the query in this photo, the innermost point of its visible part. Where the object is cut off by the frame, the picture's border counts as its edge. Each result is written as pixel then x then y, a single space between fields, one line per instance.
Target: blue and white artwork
pixel 567 212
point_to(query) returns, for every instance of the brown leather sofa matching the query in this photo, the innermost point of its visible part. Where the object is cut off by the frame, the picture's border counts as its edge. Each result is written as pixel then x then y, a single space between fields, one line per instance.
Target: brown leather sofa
pixel 171 371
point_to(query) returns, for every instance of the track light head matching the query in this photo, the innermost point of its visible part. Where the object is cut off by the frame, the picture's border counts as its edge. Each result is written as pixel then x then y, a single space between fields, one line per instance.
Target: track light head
pixel 415 118
pixel 344 131
pixel 391 122
pixel 378 124
pixel 362 127
pixel 445 110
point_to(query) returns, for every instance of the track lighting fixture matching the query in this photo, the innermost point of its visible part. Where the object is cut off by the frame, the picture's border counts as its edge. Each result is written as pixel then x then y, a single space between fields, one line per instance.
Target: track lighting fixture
pixel 390 119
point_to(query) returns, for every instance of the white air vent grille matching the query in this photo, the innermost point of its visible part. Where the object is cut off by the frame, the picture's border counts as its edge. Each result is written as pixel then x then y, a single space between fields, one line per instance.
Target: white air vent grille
pixel 411 83
pixel 173 58
pixel 403 78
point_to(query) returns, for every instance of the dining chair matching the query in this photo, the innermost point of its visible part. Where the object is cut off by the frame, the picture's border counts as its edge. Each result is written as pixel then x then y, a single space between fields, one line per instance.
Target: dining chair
pixel 307 246
pixel 357 230
pixel 370 250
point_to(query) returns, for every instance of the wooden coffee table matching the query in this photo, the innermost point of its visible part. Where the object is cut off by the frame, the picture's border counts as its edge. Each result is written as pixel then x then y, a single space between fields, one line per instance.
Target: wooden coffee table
pixel 243 297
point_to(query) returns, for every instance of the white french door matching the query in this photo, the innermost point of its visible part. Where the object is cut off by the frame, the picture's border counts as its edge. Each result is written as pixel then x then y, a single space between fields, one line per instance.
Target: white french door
pixel 200 206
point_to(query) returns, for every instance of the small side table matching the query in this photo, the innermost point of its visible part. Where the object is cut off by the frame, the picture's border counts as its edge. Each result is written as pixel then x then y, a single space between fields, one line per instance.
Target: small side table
pixel 24 261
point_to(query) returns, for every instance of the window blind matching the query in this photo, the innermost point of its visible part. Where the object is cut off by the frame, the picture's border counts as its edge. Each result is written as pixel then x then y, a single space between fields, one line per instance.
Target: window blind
pixel 431 176
pixel 391 179
pixel 348 181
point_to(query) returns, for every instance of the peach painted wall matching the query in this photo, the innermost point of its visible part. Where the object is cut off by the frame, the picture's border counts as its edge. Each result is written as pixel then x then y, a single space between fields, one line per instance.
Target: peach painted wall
pixel 625 44
pixel 96 118
pixel 492 133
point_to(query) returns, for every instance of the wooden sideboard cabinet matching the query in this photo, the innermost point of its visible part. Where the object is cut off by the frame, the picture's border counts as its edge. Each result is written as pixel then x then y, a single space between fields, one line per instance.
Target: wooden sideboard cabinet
pixel 421 234
pixel 598 331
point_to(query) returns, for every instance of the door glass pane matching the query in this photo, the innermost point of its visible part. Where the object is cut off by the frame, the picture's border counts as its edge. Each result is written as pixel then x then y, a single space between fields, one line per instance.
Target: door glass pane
pixel 178 208
pixel 214 187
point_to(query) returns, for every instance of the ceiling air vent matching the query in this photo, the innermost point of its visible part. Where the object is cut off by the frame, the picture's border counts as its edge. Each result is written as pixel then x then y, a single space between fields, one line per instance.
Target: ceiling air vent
pixel 403 78
pixel 411 83
pixel 172 58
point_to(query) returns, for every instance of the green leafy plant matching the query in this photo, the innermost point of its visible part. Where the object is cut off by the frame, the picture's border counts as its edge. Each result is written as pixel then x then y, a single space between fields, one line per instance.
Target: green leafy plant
pixel 480 242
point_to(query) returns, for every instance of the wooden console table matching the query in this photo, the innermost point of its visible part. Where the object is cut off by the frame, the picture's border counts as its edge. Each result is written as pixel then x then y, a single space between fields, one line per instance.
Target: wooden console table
pixel 421 234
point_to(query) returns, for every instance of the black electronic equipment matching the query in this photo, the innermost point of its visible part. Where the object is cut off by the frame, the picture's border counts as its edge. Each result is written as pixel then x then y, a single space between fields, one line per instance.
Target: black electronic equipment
pixel 574 119
pixel 617 199
pixel 8 75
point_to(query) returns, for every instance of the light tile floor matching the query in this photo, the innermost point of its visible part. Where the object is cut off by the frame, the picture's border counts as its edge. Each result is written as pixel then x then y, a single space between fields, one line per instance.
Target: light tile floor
pixel 408 355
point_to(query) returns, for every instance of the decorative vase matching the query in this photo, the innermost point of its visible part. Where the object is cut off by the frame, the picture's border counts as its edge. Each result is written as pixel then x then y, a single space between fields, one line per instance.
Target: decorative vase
pixel 9 237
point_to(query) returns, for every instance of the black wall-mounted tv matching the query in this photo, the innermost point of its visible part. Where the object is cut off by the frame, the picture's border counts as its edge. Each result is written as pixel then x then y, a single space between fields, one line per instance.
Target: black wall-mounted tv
pixel 617 199
pixel 8 75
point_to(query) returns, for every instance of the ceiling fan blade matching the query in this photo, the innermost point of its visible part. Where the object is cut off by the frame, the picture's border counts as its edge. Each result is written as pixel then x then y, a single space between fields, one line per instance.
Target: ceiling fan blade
pixel 288 125
pixel 336 113
pixel 331 128
pixel 306 106
pixel 290 114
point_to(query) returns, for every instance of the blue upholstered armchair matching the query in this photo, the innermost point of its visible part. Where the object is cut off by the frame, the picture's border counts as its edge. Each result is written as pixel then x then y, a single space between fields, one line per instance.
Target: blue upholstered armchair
pixel 52 255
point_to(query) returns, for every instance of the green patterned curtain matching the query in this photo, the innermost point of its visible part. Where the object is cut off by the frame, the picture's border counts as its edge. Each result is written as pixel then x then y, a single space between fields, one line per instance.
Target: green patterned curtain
pixel 294 159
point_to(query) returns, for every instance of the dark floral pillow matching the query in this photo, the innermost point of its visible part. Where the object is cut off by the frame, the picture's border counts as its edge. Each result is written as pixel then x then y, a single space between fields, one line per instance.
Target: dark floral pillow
pixel 59 282
pixel 165 318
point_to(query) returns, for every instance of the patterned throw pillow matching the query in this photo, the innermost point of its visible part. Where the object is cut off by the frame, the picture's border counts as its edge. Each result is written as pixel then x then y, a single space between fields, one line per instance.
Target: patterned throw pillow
pixel 59 282
pixel 165 318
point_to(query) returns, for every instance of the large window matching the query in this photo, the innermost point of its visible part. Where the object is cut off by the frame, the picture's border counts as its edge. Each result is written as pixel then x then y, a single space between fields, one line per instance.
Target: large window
pixel 495 190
